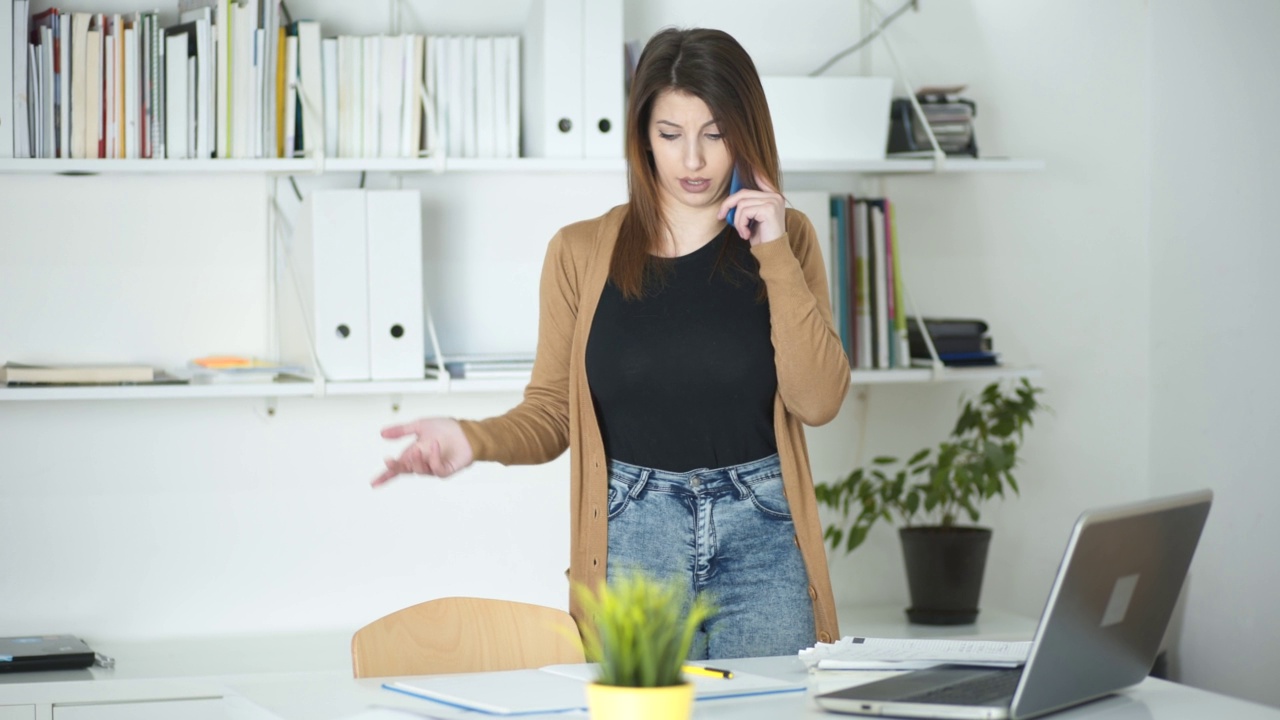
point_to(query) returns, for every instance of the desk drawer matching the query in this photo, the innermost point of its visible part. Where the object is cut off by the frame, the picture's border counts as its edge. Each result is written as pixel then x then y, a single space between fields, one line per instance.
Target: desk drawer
pixel 211 708
pixel 17 712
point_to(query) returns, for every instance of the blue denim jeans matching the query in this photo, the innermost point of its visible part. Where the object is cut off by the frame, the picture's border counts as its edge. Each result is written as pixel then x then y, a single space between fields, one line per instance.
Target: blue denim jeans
pixel 726 532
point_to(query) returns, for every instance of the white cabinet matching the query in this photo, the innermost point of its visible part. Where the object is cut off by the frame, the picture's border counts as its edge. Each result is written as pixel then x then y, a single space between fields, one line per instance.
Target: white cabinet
pixel 187 709
pixel 17 712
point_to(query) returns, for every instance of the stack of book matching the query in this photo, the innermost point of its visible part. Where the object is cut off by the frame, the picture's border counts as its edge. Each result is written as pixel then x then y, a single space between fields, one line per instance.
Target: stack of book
pixel 949 116
pixel 867 280
pixel 959 342
pixel 242 79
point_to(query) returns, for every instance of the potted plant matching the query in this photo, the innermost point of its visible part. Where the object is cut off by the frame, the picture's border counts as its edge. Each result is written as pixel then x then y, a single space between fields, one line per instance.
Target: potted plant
pixel 640 633
pixel 931 493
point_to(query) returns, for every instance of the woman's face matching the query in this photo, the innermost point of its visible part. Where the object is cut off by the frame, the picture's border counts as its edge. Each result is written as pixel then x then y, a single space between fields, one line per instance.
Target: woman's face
pixel 691 158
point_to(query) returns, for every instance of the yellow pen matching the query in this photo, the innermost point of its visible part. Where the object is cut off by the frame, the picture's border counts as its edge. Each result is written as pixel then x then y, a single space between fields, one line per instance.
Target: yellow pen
pixel 707 671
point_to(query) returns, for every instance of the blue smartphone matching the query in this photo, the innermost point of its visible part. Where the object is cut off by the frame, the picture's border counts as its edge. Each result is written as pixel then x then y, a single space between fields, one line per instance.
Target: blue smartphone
pixel 735 184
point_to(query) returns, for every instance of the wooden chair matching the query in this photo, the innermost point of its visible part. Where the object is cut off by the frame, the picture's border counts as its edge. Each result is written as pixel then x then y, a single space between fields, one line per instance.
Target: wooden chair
pixel 460 634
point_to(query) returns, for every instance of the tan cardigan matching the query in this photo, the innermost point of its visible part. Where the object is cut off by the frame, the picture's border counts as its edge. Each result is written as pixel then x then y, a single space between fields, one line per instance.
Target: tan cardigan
pixel 557 412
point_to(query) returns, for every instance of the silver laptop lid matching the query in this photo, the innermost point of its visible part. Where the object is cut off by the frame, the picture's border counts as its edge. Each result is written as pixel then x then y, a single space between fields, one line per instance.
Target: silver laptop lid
pixel 1108 609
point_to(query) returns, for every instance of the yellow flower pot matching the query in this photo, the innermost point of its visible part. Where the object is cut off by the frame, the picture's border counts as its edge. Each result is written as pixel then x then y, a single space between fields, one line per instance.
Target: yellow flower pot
pixel 616 702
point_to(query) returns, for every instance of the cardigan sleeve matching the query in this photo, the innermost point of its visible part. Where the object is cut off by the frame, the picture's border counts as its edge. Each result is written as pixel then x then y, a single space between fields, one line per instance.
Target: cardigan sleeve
pixel 813 370
pixel 537 430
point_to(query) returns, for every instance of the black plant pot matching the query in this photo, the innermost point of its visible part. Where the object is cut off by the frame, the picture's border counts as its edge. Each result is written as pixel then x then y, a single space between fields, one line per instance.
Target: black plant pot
pixel 944 572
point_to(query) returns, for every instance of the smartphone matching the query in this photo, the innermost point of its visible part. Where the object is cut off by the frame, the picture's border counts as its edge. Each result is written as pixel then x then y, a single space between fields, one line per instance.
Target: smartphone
pixel 735 184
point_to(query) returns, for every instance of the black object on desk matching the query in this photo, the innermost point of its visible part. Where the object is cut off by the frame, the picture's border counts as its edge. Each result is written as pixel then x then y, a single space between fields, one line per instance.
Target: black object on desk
pixel 44 652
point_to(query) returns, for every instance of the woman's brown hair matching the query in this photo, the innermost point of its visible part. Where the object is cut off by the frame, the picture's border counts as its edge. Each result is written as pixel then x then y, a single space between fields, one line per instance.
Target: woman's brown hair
pixel 712 66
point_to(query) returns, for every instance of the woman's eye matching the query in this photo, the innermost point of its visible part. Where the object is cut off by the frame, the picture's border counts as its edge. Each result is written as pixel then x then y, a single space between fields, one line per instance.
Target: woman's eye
pixel 667 136
pixel 715 136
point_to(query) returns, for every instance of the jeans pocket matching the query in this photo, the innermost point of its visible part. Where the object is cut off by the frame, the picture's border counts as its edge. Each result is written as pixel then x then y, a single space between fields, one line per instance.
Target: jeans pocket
pixel 619 496
pixel 768 496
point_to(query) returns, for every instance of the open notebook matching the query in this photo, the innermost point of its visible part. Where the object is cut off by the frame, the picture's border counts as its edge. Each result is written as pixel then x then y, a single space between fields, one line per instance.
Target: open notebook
pixel 557 688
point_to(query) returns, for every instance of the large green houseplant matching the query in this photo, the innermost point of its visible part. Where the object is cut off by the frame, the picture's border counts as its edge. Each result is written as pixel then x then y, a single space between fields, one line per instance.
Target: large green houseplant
pixel 932 493
pixel 640 632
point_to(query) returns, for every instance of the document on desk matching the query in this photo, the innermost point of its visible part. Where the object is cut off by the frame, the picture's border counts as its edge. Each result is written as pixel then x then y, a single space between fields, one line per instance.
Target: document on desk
pixel 858 653
pixel 509 692
pixel 558 688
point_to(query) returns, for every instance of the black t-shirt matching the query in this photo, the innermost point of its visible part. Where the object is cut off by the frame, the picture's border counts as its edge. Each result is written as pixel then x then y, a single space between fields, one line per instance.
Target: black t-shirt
pixel 684 377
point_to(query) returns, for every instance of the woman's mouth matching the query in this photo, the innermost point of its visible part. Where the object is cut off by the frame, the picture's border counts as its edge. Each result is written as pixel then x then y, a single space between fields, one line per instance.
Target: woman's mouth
pixel 695 185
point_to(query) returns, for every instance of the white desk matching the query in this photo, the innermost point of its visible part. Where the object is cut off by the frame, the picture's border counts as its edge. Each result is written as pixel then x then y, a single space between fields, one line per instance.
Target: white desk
pixel 309 678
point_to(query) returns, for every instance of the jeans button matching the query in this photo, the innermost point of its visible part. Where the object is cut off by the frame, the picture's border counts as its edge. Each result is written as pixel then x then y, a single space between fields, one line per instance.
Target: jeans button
pixel 695 482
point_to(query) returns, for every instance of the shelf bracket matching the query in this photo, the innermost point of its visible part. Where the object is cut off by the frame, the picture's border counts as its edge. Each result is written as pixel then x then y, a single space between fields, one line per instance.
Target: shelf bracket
pixel 939 157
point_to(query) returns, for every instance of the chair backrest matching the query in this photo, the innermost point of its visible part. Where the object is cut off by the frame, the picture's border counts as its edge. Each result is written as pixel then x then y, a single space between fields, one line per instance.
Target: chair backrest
pixel 459 634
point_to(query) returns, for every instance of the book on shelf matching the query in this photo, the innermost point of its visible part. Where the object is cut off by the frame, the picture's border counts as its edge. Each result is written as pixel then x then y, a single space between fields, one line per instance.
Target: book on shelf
pixel 250 83
pixel 870 308
pixel 106 374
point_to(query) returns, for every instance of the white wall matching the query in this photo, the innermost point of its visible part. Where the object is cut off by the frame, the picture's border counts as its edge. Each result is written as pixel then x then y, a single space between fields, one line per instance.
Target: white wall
pixel 148 518
pixel 1213 345
pixel 1056 261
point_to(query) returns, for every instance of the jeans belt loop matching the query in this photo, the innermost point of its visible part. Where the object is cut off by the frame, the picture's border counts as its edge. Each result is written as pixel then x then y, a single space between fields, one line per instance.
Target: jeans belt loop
pixel 636 489
pixel 743 492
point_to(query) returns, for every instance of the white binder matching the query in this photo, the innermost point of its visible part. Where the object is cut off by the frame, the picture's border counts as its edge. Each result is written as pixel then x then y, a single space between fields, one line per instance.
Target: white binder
pixel 602 78
pixel 328 262
pixel 553 119
pixel 394 240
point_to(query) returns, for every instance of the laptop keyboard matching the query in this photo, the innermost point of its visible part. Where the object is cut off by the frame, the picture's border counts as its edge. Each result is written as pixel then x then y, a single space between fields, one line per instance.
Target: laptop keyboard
pixel 973 691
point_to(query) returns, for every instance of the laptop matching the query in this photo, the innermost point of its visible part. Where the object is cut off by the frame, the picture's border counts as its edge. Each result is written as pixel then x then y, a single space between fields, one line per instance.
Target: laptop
pixel 44 652
pixel 1100 631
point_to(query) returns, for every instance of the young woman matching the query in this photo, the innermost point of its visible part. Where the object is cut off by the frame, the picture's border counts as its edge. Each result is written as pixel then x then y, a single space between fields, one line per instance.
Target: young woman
pixel 678 358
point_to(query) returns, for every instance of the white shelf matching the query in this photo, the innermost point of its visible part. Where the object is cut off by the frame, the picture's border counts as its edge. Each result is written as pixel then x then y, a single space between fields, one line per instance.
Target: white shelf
pixel 158 392
pixel 385 387
pixel 432 386
pixel 916 166
pixel 143 167
pixel 304 166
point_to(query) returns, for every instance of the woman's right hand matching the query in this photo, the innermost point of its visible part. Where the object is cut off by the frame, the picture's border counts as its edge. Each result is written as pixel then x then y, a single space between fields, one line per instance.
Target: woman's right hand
pixel 440 448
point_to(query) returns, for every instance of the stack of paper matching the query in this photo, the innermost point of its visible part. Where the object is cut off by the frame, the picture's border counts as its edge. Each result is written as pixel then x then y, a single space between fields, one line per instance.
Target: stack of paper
pixel 557 688
pixel 237 369
pixel 857 653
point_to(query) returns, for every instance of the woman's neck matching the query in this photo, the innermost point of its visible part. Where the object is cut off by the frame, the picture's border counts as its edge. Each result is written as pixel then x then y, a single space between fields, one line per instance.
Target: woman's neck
pixel 688 229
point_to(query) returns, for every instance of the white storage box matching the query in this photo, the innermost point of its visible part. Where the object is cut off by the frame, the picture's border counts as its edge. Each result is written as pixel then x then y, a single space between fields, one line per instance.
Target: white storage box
pixel 829 118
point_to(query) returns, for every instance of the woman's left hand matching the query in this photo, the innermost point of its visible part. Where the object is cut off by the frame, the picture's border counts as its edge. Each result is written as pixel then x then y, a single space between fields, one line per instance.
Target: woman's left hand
pixel 761 215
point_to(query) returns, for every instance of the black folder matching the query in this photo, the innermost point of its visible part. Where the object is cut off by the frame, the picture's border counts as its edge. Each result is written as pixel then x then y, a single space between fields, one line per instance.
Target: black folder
pixel 44 652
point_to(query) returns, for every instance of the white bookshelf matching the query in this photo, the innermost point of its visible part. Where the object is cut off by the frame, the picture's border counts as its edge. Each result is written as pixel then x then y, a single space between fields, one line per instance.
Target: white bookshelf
pixel 398 388
pixel 299 166
pixel 150 167
pixel 158 392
